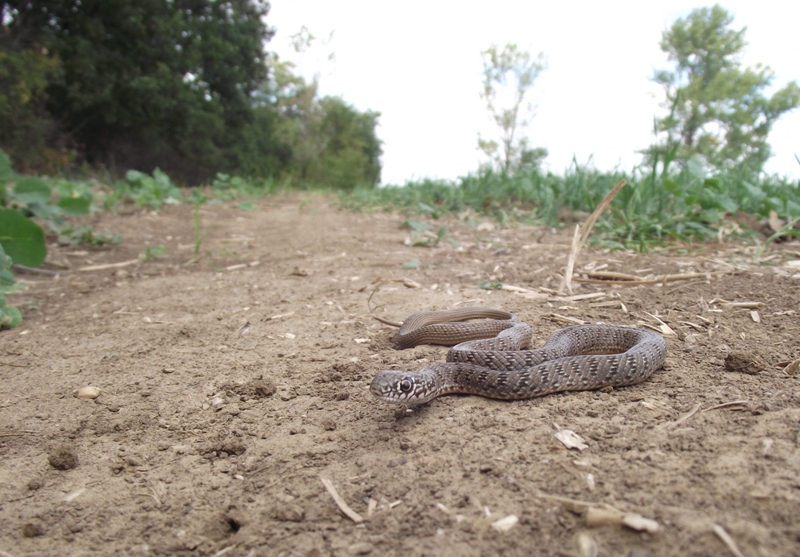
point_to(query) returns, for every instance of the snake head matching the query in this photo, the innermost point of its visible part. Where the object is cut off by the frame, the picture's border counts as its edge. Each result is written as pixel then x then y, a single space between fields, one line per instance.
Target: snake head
pixel 402 387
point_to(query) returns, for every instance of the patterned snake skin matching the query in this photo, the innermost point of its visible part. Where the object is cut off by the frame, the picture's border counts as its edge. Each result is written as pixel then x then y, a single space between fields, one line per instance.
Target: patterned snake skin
pixel 577 358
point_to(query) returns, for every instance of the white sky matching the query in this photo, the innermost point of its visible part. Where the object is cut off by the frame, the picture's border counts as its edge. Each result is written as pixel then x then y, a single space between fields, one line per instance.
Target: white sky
pixel 418 63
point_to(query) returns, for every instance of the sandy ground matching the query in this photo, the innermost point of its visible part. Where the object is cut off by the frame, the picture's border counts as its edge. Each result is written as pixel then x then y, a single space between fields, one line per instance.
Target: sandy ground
pixel 230 387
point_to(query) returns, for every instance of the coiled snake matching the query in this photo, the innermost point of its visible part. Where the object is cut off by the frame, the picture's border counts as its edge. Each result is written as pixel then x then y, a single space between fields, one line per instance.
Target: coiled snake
pixel 578 358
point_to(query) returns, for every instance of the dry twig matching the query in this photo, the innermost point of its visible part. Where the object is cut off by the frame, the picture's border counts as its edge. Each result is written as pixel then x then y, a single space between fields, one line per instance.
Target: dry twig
pixel 343 506
pixel 684 418
pixel 637 281
pixel 727 540
pixel 109 266
pixel 725 405
pixel 582 234
pixel 387 322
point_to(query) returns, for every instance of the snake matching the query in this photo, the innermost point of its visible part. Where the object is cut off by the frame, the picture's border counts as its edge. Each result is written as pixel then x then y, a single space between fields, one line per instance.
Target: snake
pixel 492 358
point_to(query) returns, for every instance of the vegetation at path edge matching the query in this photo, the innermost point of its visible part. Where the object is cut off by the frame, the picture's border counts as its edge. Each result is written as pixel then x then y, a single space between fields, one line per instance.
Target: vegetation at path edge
pixel 652 209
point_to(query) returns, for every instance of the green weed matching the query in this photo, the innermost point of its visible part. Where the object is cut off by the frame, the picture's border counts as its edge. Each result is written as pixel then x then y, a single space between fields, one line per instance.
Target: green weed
pixel 199 235
pixel 148 191
pixel 152 253
pixel 657 206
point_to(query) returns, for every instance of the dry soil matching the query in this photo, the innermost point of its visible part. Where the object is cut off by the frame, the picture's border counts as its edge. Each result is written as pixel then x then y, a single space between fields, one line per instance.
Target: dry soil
pixel 232 385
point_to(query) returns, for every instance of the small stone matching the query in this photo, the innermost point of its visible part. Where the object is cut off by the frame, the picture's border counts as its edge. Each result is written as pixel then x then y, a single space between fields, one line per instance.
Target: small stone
pixel 133 461
pixel 362 548
pixel 87 392
pixel 505 524
pixel 571 440
pixel 63 457
pixel 35 483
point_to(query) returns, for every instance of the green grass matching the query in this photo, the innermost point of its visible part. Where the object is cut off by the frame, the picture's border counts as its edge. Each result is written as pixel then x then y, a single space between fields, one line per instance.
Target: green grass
pixel 685 206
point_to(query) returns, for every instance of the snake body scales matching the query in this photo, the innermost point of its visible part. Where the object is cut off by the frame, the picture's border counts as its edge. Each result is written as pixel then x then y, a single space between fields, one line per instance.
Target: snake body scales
pixel 491 358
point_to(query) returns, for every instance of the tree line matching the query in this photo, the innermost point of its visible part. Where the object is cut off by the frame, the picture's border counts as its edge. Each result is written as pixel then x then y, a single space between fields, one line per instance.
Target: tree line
pixel 188 86
pixel 184 85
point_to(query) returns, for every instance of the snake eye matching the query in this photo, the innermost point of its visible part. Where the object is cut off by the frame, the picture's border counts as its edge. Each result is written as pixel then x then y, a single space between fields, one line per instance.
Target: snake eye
pixel 405 386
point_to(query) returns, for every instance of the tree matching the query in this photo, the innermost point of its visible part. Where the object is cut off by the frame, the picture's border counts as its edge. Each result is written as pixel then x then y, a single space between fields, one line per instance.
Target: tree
pixel 150 82
pixel 508 76
pixel 330 142
pixel 717 110
pixel 184 85
pixel 27 132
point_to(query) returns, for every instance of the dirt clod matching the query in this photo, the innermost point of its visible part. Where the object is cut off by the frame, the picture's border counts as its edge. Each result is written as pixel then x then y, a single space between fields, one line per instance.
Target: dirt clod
pixel 32 530
pixel 63 457
pixel 264 387
pixel 743 362
pixel 328 424
pixel 287 512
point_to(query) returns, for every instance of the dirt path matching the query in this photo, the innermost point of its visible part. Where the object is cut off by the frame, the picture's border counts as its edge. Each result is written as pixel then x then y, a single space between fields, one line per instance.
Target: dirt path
pixel 230 387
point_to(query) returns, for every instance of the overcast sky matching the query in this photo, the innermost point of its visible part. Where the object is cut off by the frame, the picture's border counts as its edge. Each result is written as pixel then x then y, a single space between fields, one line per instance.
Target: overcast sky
pixel 418 63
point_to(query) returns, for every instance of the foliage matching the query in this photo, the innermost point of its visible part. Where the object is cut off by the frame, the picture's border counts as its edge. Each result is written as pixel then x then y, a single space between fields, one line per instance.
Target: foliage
pixel 717 110
pixel 185 86
pixel 9 315
pixel 70 235
pixel 143 83
pixel 22 240
pixel 422 236
pixel 329 142
pixel 653 208
pixel 26 131
pixel 149 191
pixel 152 253
pixel 227 187
pixel 350 156
pixel 508 76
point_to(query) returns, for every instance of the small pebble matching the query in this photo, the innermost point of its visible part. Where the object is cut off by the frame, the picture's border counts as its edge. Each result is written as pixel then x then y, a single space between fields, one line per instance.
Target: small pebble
pixel 505 524
pixel 87 392
pixel 363 548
